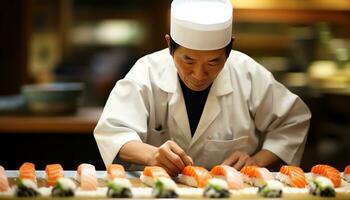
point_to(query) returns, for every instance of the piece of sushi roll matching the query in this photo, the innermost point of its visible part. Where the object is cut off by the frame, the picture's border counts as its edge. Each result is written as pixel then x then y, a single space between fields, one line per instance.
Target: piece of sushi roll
pixel 256 176
pixel 64 187
pixel 86 176
pixel 4 183
pixel 346 173
pixel 119 188
pixel 52 173
pixel 216 188
pixel 322 186
pixel 151 173
pixel 327 171
pixel 233 178
pixel 27 171
pixel 26 188
pixel 194 176
pixel 272 189
pixel 115 171
pixel 292 175
pixel 164 188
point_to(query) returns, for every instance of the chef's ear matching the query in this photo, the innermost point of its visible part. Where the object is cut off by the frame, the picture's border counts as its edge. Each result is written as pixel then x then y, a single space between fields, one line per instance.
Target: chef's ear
pixel 167 39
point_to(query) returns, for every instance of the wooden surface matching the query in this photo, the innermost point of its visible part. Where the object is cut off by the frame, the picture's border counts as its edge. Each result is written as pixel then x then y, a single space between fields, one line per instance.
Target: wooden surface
pixel 84 121
pixel 142 191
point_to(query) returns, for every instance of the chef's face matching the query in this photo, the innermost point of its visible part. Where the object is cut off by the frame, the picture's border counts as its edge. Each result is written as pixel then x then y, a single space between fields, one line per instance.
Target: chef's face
pixel 198 69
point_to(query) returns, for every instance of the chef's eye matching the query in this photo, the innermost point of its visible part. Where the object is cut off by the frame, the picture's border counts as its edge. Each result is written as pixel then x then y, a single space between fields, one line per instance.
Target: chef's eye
pixel 189 62
pixel 213 64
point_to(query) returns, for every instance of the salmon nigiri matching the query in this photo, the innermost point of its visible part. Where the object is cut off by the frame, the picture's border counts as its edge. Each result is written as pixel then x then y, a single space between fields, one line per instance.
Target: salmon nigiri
pixel 115 171
pixel 27 171
pixel 53 173
pixel 346 174
pixel 256 176
pixel 327 171
pixel 231 175
pixel 194 176
pixel 151 173
pixel 86 175
pixel 4 183
pixel 292 175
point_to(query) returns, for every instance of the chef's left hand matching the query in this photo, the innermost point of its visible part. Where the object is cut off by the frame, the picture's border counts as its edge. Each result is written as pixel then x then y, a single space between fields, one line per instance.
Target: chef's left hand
pixel 239 159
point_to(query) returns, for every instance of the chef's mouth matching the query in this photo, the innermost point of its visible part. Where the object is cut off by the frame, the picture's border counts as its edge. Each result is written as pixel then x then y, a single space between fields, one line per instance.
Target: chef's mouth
pixel 198 83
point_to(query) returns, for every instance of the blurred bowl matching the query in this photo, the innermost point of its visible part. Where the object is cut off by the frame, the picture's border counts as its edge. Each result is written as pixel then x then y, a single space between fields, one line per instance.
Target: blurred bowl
pixel 53 98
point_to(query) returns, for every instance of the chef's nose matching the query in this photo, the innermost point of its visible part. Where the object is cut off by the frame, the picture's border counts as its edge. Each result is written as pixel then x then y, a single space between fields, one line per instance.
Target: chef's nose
pixel 199 72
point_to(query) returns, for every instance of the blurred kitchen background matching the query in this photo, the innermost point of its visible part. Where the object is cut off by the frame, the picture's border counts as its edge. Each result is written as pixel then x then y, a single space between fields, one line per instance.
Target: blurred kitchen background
pixel 79 48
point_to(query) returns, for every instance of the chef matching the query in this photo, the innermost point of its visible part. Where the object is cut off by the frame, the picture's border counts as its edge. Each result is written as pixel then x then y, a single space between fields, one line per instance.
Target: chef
pixel 199 102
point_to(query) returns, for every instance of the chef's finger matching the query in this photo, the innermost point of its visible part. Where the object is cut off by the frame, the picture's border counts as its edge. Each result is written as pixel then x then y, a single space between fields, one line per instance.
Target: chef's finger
pixel 167 151
pixel 190 160
pixel 250 162
pixel 241 161
pixel 181 153
pixel 176 160
pixel 169 171
pixel 232 159
pixel 172 169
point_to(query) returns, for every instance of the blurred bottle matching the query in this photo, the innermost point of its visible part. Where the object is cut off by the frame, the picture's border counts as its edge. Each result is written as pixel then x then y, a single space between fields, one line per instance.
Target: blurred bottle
pixel 324 67
pixel 323 50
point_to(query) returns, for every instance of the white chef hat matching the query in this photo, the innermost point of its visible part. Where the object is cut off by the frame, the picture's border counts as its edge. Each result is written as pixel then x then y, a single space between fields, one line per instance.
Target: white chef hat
pixel 201 24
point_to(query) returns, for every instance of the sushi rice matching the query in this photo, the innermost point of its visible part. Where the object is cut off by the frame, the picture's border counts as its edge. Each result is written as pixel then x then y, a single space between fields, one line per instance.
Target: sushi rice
pixel 164 188
pixel 26 188
pixel 216 188
pixel 64 187
pixel 148 180
pixel 283 178
pixel 272 189
pixel 119 188
pixel 188 180
pixel 322 186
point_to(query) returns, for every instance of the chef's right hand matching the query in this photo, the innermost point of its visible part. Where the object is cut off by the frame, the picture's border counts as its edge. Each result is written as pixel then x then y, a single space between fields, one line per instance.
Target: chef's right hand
pixel 171 157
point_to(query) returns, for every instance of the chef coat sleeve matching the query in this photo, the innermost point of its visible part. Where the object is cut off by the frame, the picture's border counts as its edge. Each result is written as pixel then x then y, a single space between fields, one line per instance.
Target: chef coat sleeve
pixel 124 117
pixel 280 114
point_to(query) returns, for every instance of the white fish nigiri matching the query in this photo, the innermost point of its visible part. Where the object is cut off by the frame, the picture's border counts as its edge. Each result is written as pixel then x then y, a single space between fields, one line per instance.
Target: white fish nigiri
pixel 4 184
pixel 86 175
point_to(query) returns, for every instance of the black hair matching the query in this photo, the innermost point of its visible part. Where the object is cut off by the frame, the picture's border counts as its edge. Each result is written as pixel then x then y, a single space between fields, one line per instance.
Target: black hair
pixel 174 46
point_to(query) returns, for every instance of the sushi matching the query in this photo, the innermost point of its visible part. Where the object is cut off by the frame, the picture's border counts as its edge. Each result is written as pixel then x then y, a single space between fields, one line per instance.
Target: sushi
pixel 164 188
pixel 26 188
pixel 115 171
pixel 4 183
pixel 27 171
pixel 64 187
pixel 229 174
pixel 346 174
pixel 53 172
pixel 216 188
pixel 327 171
pixel 119 188
pixel 194 176
pixel 256 176
pixel 272 189
pixel 292 175
pixel 151 173
pixel 322 186
pixel 86 175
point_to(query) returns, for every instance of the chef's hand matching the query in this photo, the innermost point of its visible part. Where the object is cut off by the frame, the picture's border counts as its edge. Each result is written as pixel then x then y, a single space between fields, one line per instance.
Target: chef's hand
pixel 171 157
pixel 239 159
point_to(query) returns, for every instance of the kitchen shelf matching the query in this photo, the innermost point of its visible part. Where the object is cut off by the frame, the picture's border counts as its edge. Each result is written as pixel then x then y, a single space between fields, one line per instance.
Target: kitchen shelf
pixel 83 122
pixel 293 4
pixel 297 16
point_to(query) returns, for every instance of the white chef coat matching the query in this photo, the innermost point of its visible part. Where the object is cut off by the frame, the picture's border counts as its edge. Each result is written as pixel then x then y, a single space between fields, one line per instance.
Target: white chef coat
pixel 246 110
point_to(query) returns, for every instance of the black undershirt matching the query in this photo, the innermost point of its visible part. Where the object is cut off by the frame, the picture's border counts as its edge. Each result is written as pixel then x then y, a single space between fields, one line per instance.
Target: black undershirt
pixel 194 102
